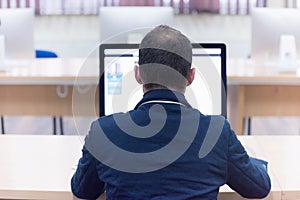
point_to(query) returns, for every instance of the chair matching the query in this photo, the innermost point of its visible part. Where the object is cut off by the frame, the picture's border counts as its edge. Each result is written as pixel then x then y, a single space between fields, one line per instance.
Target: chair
pixel 49 54
pixel 2 125
pixel 45 54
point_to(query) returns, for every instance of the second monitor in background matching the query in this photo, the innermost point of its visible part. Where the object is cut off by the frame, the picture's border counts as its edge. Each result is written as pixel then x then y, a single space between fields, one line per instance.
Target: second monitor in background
pixel 129 24
pixel 17 33
pixel 276 37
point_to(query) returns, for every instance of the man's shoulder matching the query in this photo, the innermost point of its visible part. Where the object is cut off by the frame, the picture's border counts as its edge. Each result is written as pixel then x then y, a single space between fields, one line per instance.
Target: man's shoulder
pixel 114 119
pixel 216 123
pixel 107 119
pixel 218 119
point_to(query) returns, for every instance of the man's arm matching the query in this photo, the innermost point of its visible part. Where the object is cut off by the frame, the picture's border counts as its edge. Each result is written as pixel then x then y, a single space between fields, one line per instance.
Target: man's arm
pixel 85 183
pixel 247 176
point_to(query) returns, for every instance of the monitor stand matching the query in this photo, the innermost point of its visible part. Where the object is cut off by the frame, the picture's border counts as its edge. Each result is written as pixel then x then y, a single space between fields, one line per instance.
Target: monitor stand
pixel 287 53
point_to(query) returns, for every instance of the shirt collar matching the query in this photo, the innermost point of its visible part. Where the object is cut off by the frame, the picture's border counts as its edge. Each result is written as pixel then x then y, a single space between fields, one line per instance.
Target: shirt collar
pixel 163 94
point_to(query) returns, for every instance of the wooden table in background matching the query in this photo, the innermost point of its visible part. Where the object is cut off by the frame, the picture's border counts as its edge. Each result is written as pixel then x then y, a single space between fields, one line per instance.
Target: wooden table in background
pixel 258 90
pixel 31 89
pixel 45 86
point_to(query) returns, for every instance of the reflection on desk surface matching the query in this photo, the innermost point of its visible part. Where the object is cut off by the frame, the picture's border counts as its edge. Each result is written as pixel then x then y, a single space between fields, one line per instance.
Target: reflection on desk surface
pixel 49 69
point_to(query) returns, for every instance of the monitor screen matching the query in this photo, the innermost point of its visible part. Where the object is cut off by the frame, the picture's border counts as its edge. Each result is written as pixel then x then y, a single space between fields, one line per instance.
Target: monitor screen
pixel 119 91
pixel 128 24
pixel 17 31
pixel 269 28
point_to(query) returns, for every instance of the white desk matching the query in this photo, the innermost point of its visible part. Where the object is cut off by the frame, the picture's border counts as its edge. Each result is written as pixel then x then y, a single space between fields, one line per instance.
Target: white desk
pixel 40 167
pixel 37 167
pixel 283 153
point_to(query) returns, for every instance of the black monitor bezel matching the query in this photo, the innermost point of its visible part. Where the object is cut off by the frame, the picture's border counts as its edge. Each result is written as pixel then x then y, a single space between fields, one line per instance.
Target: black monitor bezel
pixel 105 46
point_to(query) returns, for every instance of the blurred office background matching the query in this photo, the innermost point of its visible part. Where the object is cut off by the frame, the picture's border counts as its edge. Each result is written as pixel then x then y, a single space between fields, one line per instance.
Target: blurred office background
pixel 71 29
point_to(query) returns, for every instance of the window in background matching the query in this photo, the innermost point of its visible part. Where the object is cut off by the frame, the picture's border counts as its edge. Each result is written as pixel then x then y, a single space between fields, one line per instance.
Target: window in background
pixel 91 7
pixel 16 3
pixel 53 7
pixel 292 3
pixel 240 7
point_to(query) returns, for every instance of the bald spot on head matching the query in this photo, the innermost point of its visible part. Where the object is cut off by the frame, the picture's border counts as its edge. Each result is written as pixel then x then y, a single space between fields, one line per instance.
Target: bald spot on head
pixel 166 38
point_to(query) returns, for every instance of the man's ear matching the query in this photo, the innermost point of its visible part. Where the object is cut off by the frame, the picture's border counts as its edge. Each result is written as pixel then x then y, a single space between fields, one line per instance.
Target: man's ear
pixel 137 74
pixel 191 76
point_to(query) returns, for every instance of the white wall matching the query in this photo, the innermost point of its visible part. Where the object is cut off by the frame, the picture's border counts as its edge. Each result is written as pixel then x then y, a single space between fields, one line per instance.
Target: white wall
pixel 77 36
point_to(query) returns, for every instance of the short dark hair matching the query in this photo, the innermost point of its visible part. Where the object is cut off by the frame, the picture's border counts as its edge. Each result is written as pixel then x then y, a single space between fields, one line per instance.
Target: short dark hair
pixel 165 57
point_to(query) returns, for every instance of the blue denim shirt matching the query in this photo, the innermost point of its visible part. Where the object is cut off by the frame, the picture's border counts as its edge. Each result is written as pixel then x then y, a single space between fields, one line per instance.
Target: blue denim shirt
pixel 138 165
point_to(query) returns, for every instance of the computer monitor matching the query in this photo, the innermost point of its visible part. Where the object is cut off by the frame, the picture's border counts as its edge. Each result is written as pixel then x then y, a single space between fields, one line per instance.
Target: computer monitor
pixel 119 91
pixel 129 24
pixel 275 35
pixel 17 31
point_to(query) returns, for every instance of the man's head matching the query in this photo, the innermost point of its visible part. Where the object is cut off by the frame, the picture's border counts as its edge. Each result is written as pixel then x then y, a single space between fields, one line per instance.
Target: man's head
pixel 165 57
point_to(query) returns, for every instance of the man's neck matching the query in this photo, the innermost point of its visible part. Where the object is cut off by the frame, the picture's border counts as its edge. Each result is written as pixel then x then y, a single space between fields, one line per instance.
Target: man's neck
pixel 156 88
